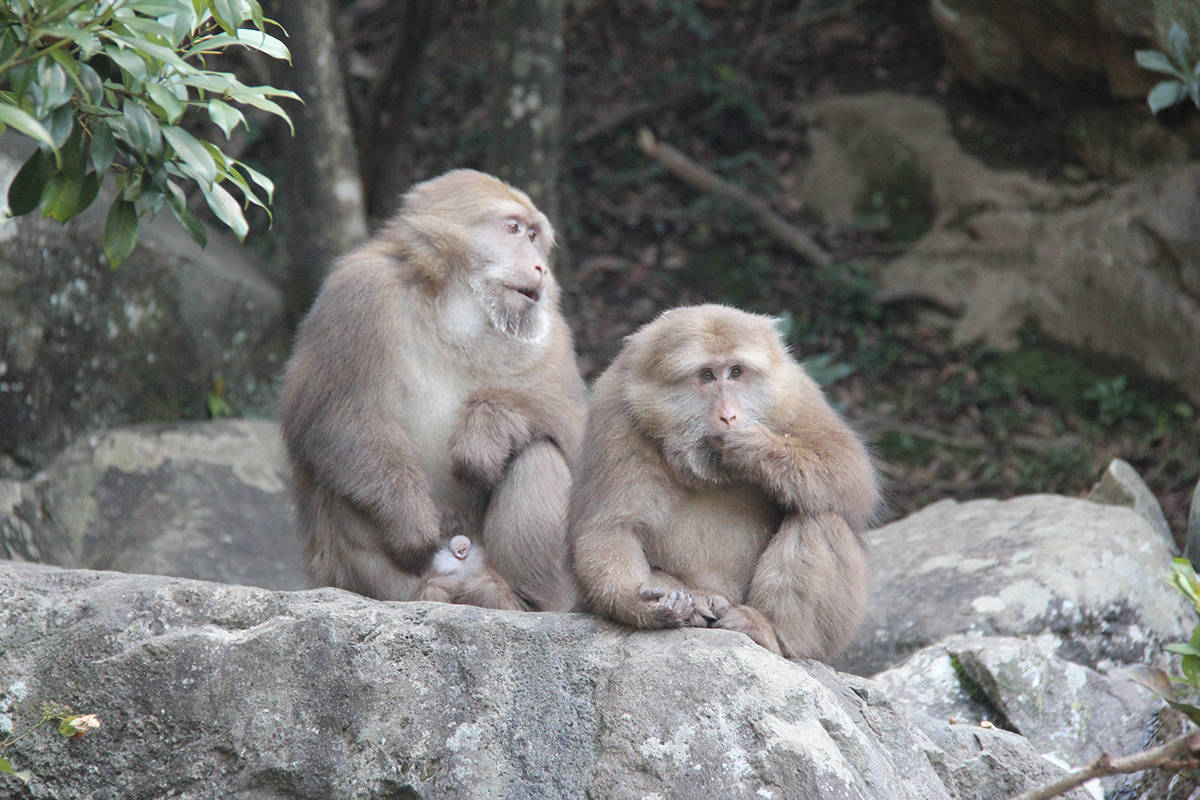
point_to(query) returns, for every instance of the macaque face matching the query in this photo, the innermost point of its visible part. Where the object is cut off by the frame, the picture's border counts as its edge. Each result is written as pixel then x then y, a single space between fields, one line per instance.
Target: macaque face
pixel 692 385
pixel 512 277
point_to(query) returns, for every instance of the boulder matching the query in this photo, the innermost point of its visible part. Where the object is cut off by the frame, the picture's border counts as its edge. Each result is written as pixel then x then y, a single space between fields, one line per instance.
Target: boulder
pixel 1120 485
pixel 209 690
pixel 1093 574
pixel 1069 712
pixel 1048 51
pixel 203 500
pixel 84 346
pixel 1113 271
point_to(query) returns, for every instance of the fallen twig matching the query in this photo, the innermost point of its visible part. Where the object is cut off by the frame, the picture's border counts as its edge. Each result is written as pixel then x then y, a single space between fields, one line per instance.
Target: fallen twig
pixel 707 181
pixel 1180 753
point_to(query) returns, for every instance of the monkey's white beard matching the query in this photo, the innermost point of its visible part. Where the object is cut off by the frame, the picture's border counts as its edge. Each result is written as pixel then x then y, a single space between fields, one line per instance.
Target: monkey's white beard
pixel 512 316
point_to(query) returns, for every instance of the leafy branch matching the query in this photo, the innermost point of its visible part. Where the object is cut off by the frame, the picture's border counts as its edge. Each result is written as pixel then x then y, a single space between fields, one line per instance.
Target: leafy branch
pixel 104 86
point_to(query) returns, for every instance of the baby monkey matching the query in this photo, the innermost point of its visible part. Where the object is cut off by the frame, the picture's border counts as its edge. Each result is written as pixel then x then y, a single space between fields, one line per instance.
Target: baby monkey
pixel 460 574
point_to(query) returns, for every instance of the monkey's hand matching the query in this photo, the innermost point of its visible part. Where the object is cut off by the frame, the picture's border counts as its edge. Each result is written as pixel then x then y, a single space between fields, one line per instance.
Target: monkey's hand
pixel 753 623
pixel 660 608
pixel 744 451
pixel 487 438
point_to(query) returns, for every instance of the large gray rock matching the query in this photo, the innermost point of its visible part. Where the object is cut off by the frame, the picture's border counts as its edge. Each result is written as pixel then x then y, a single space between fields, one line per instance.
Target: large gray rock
pixel 1113 271
pixel 1120 485
pixel 84 346
pixel 203 500
pixel 207 690
pixel 1091 573
pixel 1069 712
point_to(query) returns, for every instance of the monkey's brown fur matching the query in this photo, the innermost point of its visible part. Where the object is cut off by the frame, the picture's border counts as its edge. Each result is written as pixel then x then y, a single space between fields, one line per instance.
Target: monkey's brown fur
pixel 718 487
pixel 433 391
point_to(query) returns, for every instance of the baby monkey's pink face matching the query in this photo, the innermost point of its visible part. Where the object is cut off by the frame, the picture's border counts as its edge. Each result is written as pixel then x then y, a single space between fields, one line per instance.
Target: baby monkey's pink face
pixel 460 547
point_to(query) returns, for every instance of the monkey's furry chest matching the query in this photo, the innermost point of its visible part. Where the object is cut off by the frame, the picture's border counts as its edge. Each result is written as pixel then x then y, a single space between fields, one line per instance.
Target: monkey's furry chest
pixel 431 400
pixel 712 537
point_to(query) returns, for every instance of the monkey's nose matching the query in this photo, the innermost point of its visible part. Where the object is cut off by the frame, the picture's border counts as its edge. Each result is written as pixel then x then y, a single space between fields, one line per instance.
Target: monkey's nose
pixel 539 269
pixel 729 420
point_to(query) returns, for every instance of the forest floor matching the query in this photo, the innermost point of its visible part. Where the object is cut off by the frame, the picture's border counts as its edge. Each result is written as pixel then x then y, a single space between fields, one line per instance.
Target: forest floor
pixel 724 83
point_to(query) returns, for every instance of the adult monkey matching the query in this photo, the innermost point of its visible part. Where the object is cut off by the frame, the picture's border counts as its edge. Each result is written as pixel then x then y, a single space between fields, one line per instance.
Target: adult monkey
pixel 432 392
pixel 717 487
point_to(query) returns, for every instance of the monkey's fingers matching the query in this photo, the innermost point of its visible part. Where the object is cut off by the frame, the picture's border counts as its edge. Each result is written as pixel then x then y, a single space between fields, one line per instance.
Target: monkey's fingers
pixel 651 592
pixel 712 607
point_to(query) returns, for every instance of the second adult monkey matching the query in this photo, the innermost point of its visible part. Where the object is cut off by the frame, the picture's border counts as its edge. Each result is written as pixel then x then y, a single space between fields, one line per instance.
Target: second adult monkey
pixel 433 392
pixel 717 487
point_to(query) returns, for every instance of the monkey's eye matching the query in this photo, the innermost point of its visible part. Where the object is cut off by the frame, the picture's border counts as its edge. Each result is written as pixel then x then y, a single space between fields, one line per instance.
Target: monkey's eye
pixel 735 372
pixel 532 234
pixel 513 226
pixel 707 375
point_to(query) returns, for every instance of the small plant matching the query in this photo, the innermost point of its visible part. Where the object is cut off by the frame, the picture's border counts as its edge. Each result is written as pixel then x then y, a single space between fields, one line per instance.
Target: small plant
pixel 70 725
pixel 1185 78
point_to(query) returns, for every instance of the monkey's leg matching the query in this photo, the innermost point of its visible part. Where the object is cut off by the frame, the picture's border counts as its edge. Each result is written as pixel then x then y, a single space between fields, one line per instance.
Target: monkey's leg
pixel 342 548
pixel 525 529
pixel 491 591
pixel 811 582
pixel 436 589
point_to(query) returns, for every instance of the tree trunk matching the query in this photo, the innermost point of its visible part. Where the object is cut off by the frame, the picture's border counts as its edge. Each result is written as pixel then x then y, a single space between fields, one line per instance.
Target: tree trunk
pixel 526 99
pixel 326 213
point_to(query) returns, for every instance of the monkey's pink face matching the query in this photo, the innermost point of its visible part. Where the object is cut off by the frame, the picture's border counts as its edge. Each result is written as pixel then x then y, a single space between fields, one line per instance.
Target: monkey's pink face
pixel 514 277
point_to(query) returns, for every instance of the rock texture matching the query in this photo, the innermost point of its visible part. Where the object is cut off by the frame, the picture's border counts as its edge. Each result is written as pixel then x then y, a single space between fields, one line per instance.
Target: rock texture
pixel 206 690
pixel 1120 485
pixel 1109 270
pixel 84 346
pixel 196 500
pixel 1090 573
pixel 1069 712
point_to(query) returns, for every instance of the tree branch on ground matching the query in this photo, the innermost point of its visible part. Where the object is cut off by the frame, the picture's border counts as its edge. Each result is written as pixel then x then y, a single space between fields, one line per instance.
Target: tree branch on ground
pixel 1180 753
pixel 706 180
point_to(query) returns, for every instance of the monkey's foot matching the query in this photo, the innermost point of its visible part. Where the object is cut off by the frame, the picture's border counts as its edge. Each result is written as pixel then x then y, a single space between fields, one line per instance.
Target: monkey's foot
pixel 666 609
pixel 752 622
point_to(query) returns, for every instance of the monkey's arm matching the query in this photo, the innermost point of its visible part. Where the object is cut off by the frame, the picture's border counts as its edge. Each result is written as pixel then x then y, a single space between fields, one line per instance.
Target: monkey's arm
pixel 372 466
pixel 809 468
pixel 811 582
pixel 498 423
pixel 617 582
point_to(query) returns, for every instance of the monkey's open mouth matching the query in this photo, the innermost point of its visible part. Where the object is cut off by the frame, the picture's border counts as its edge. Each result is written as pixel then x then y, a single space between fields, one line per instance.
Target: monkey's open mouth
pixel 532 292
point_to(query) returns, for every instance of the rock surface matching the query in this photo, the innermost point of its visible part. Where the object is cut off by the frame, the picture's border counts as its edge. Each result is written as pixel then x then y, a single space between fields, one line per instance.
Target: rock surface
pixel 1120 485
pixel 1113 271
pixel 1069 712
pixel 206 690
pixel 203 500
pixel 84 346
pixel 1090 573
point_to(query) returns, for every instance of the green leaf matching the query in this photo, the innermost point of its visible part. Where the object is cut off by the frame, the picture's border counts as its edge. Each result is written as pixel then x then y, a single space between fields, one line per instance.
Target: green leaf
pixel 62 122
pixel 225 116
pixel 7 768
pixel 265 183
pixel 191 223
pixel 104 147
pixel 127 60
pixel 66 194
pixel 1190 666
pixel 227 209
pixel 171 105
pixel 1154 60
pixel 25 123
pixel 92 85
pixel 141 128
pixel 191 152
pixel 247 37
pixel 25 191
pixel 1178 41
pixel 262 103
pixel 120 231
pixel 1165 95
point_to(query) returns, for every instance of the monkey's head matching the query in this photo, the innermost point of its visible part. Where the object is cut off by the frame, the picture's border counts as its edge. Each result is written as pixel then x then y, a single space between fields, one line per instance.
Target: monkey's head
pixel 699 372
pixel 484 247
